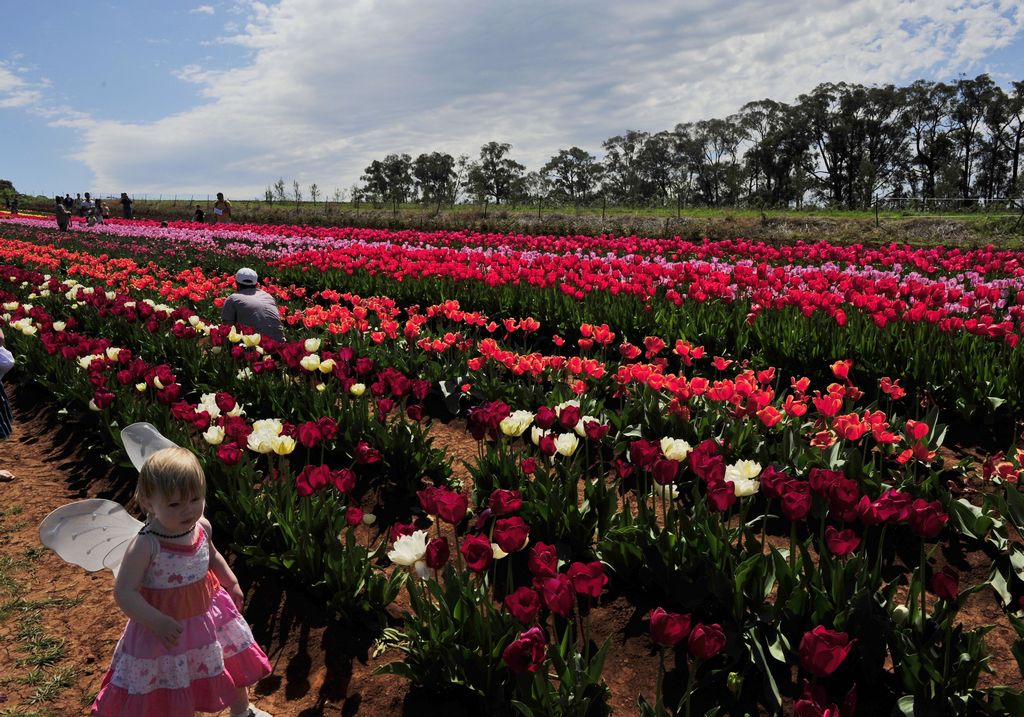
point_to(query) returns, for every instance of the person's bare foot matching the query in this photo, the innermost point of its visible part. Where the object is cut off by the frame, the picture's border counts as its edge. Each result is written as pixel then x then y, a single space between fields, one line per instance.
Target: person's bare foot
pixel 6 476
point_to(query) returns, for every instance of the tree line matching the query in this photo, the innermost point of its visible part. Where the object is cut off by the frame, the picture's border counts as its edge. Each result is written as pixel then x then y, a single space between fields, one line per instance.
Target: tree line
pixel 840 145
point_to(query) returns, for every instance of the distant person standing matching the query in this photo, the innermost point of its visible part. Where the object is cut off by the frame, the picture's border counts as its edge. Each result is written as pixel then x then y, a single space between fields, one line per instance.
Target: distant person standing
pixel 62 215
pixel 199 215
pixel 126 205
pixel 252 307
pixel 221 209
pixel 68 202
pixel 79 202
pixel 88 205
pixel 6 419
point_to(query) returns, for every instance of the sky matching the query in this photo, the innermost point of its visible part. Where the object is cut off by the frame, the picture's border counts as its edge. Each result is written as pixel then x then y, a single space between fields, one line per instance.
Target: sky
pixel 170 97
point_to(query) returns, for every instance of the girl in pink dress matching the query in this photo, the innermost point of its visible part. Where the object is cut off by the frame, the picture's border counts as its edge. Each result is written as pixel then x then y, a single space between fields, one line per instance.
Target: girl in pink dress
pixel 186 648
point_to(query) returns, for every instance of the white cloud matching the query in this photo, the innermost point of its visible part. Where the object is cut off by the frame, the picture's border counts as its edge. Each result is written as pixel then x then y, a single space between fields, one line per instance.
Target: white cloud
pixel 331 86
pixel 202 10
pixel 16 92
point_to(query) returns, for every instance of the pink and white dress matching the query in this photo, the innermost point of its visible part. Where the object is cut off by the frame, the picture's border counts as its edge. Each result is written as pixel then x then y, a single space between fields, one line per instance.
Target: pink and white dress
pixel 215 654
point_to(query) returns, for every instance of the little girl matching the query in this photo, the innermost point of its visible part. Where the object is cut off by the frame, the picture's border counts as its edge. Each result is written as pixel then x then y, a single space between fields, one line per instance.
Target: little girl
pixel 186 648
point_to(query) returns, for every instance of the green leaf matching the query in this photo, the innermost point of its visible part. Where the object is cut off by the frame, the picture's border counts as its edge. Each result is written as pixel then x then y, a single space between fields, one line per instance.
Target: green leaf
pixel 522 708
pixel 998 582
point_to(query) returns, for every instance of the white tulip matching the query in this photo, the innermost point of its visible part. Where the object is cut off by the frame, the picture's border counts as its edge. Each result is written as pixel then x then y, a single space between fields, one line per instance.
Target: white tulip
pixel 250 340
pixel 675 449
pixel 745 470
pixel 59 325
pixel 357 389
pixel 214 435
pixel 409 549
pixel 327 366
pixel 283 445
pixel 516 423
pixel 742 474
pixel 743 487
pixel 310 362
pixel 311 345
pixel 566 443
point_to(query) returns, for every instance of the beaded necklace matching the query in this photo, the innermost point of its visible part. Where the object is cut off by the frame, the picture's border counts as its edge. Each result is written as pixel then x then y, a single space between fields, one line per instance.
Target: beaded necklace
pixel 148 531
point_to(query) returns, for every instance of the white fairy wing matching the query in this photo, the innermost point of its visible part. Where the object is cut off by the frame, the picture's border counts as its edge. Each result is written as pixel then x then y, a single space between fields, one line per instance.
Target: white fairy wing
pixel 141 440
pixel 91 533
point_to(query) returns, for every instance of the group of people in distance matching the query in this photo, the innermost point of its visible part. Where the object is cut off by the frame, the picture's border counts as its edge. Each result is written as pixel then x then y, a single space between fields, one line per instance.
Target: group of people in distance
pixel 95 212
pixel 221 211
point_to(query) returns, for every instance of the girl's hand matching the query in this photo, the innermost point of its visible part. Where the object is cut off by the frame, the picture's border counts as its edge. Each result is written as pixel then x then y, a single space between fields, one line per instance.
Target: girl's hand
pixel 168 630
pixel 237 596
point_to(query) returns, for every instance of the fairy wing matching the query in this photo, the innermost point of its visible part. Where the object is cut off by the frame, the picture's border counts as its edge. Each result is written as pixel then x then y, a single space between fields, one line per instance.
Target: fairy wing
pixel 141 440
pixel 91 533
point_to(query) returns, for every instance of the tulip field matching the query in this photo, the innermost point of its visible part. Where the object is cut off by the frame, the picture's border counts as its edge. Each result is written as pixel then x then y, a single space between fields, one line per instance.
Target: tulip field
pixel 747 442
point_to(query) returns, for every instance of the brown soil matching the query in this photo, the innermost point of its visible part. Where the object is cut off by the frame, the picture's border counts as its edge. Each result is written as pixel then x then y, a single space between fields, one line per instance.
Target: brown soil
pixel 319 669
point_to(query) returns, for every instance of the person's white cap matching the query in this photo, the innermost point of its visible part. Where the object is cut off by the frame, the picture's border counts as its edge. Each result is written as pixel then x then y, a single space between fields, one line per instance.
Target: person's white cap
pixel 246 277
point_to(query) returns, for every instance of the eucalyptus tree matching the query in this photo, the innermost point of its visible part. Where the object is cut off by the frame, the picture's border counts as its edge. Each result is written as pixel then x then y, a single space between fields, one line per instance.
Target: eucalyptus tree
pixel 929 105
pixel 969 108
pixel 495 174
pixel 435 177
pixel 389 179
pixel 574 175
pixel 659 163
pixel 719 174
pixel 623 167
pixel 777 153
pixel 859 135
pixel 1000 147
pixel 1014 136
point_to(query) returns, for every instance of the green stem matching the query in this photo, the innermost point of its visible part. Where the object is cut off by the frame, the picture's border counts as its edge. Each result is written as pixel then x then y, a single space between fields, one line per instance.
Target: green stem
pixel 690 679
pixel 792 548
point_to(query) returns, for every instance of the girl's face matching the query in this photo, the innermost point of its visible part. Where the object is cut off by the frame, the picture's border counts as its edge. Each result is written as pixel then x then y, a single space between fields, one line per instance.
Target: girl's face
pixel 176 513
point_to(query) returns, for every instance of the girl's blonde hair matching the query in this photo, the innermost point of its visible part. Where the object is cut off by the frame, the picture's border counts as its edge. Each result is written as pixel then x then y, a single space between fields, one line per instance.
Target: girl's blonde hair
pixel 171 471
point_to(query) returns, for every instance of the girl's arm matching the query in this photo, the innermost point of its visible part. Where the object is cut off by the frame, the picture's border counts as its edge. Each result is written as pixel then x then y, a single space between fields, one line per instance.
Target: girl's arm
pixel 127 596
pixel 221 569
